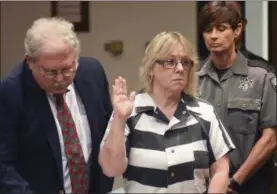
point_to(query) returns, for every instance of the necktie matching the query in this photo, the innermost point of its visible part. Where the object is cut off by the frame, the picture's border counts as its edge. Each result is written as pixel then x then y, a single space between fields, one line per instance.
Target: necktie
pixel 75 159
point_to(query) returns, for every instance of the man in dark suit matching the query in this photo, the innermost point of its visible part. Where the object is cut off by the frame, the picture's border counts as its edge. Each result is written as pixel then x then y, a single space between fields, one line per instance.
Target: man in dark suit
pixel 54 107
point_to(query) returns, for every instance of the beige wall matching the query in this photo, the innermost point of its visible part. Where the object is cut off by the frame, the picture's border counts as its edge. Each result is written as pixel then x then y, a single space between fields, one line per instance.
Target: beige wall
pixel 16 17
pixel 133 22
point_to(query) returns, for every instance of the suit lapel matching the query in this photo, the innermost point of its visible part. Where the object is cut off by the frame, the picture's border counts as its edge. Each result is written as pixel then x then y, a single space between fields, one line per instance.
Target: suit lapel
pixel 46 118
pixel 49 124
pixel 87 94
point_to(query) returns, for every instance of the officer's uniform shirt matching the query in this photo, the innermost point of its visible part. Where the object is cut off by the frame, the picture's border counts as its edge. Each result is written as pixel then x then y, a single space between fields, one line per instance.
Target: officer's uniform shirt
pixel 245 100
pixel 172 156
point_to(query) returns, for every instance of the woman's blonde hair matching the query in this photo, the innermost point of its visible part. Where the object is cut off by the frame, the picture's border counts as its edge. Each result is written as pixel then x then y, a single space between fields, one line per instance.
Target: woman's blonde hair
pixel 160 48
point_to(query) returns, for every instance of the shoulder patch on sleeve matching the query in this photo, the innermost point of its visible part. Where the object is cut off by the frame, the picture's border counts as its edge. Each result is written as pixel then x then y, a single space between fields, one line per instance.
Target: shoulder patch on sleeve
pixel 273 82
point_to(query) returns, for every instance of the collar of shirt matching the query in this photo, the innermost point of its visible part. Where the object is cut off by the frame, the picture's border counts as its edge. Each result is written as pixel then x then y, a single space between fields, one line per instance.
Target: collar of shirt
pixel 239 66
pixel 51 95
pixel 144 103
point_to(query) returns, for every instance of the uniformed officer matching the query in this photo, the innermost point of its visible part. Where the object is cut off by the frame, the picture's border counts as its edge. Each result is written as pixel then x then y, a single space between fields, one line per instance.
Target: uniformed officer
pixel 244 95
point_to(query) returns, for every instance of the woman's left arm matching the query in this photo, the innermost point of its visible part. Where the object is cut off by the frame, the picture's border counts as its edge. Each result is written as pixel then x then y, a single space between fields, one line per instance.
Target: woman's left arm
pixel 219 175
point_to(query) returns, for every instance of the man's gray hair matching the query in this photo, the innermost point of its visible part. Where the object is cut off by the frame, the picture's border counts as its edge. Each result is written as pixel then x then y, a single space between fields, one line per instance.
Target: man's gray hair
pixel 44 30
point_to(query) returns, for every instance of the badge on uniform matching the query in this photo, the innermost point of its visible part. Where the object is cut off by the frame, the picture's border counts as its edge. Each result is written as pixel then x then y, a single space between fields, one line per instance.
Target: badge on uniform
pixel 246 84
pixel 273 82
pixel 198 93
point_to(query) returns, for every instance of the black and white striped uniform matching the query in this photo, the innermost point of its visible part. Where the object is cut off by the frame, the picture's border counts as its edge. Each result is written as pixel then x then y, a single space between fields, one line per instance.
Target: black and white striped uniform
pixel 172 156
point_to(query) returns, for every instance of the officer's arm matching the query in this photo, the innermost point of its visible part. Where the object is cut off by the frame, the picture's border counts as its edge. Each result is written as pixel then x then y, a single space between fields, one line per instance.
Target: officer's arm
pixel 262 150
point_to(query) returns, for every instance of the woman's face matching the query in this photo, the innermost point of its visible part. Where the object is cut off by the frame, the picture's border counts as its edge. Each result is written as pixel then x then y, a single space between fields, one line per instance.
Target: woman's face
pixel 171 74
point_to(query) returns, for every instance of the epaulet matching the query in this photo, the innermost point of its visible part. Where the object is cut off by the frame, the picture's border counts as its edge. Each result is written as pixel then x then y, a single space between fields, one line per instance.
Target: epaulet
pixel 261 64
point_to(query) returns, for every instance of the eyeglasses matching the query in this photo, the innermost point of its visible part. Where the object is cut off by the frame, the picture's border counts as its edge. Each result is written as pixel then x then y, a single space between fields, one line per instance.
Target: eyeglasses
pixel 172 63
pixel 51 73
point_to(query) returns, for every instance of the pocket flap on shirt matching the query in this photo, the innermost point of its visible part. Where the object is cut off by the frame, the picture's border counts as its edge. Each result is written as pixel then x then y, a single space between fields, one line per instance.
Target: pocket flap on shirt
pixel 245 104
pixel 202 159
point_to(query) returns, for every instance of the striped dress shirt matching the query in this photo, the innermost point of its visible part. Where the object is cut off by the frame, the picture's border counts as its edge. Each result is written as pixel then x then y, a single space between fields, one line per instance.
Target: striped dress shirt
pixel 172 156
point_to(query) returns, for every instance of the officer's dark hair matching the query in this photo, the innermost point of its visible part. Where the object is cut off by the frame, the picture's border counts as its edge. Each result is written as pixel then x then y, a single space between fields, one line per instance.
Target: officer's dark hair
pixel 215 12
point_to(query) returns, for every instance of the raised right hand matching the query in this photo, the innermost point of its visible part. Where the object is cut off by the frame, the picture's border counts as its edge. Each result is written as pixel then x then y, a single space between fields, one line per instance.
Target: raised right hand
pixel 122 104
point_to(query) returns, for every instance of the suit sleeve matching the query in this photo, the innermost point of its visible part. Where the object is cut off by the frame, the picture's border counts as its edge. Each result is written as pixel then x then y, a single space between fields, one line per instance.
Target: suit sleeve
pixel 10 179
pixel 107 99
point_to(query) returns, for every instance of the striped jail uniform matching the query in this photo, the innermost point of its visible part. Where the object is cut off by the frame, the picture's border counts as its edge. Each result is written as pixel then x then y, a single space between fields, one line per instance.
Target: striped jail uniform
pixel 172 156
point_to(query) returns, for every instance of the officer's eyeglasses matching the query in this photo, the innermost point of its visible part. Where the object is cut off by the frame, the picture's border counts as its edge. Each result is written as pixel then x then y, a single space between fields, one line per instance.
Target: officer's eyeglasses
pixel 172 63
